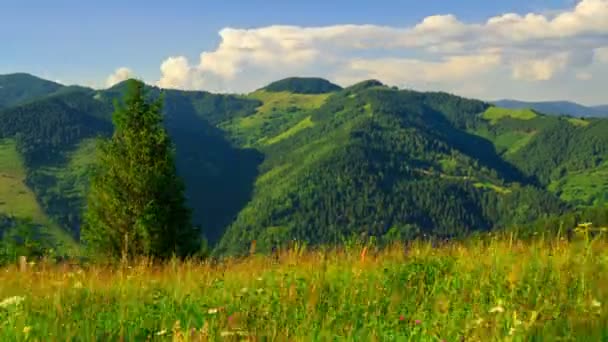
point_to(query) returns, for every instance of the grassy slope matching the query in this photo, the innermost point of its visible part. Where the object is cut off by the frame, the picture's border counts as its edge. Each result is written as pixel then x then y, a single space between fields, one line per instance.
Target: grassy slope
pixel 588 187
pixel 497 290
pixel 15 197
pixel 18 200
pixel 495 114
pixel 71 177
pixel 280 112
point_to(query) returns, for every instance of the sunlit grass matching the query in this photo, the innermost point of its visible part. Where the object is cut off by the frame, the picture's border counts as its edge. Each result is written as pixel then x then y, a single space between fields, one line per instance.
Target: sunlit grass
pixel 493 290
pixel 495 114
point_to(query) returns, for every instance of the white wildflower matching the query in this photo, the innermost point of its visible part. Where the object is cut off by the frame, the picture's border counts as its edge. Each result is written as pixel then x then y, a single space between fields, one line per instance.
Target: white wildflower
pixel 162 332
pixel 212 311
pixel 596 304
pixel 10 301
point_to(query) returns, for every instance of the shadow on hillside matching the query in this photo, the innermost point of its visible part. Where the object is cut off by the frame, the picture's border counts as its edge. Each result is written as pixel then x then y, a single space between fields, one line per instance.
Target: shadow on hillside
pixel 219 177
pixel 479 148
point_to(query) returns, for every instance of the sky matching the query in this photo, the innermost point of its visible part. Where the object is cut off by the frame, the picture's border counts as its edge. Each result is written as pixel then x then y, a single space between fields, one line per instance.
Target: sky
pixel 523 49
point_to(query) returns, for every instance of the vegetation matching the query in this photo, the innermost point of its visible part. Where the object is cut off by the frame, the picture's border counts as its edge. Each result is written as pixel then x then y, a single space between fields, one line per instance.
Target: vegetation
pixel 20 88
pixel 135 205
pixel 491 289
pixel 302 85
pixel 321 167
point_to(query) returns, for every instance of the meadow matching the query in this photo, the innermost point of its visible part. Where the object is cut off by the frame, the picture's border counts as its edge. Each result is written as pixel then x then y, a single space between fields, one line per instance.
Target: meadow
pixel 495 288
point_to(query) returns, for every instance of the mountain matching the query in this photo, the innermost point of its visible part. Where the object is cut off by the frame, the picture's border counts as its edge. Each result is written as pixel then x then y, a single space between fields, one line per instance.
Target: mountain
pixel 302 85
pixel 20 87
pixel 299 160
pixel 557 108
pixel 601 109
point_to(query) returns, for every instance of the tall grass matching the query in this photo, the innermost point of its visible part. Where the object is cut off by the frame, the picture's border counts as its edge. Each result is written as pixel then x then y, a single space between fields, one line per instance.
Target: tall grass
pixel 493 289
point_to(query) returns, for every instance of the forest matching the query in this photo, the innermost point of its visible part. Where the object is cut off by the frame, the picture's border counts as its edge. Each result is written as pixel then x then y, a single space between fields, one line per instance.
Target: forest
pixel 303 159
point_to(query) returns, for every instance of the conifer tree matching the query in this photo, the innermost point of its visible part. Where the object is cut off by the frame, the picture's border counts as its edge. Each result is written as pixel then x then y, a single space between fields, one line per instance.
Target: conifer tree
pixel 136 202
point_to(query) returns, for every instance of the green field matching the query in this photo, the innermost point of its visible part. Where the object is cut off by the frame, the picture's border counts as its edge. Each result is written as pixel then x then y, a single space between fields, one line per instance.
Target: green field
pixel 495 114
pixel 578 122
pixel 281 115
pixel 588 187
pixel 15 197
pixel 498 289
pixel 306 123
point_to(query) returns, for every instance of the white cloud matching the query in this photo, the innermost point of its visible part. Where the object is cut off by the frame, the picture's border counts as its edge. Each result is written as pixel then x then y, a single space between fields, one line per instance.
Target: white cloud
pixel 584 75
pixel 119 75
pixel 440 50
pixel 601 55
pixel 539 69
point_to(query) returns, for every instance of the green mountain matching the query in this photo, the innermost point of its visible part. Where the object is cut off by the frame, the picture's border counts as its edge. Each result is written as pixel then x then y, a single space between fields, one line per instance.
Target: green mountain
pixel 19 88
pixel 556 108
pixel 303 160
pixel 302 85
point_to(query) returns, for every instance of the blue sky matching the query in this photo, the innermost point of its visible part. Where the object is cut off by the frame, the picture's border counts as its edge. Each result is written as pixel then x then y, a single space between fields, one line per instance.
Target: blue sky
pixel 84 41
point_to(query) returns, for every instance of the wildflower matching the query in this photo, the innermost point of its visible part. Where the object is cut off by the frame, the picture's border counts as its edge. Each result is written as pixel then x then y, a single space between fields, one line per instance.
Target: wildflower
pixel 259 291
pixel 162 332
pixel 10 301
pixel 418 322
pixel 595 304
pixel 401 318
pixel 212 311
pixel 497 309
pixel 27 329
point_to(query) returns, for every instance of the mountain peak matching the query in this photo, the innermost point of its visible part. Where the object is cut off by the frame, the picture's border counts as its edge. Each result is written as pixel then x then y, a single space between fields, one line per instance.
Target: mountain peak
pixel 303 85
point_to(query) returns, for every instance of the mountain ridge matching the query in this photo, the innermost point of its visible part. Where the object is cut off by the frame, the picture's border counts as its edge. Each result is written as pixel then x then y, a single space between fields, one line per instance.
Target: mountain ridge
pixel 365 159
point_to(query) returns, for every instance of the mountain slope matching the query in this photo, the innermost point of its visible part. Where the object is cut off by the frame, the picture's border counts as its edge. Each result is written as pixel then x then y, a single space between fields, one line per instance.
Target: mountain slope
pixel 319 166
pixel 19 88
pixel 376 161
pixel 556 108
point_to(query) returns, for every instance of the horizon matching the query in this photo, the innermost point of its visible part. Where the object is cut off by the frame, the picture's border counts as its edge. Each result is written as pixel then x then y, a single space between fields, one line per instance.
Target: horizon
pixel 518 50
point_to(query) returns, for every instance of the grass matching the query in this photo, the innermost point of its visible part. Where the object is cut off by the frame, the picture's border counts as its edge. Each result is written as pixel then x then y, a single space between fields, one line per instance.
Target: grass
pixel 578 122
pixel 512 142
pixel 280 115
pixel 305 123
pixel 494 290
pixel 488 185
pixel 15 197
pixel 589 186
pixel 495 114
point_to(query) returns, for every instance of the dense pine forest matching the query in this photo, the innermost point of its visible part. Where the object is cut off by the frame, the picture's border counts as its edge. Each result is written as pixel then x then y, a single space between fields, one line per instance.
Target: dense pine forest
pixel 306 160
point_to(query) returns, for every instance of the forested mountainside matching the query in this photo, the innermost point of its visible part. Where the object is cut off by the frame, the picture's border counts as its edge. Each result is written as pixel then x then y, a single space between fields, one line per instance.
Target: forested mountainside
pixel 19 88
pixel 305 159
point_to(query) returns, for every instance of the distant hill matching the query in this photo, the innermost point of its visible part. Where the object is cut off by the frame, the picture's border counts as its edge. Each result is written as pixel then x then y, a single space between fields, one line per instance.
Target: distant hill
pixel 19 88
pixel 302 85
pixel 557 108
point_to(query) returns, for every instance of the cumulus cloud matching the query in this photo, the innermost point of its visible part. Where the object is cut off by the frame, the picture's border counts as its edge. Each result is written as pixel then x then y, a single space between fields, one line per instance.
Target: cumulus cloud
pixel 119 75
pixel 601 55
pixel 440 50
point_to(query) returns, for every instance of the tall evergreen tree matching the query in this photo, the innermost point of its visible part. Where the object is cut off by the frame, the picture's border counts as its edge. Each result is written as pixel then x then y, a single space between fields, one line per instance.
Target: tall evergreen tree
pixel 136 200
